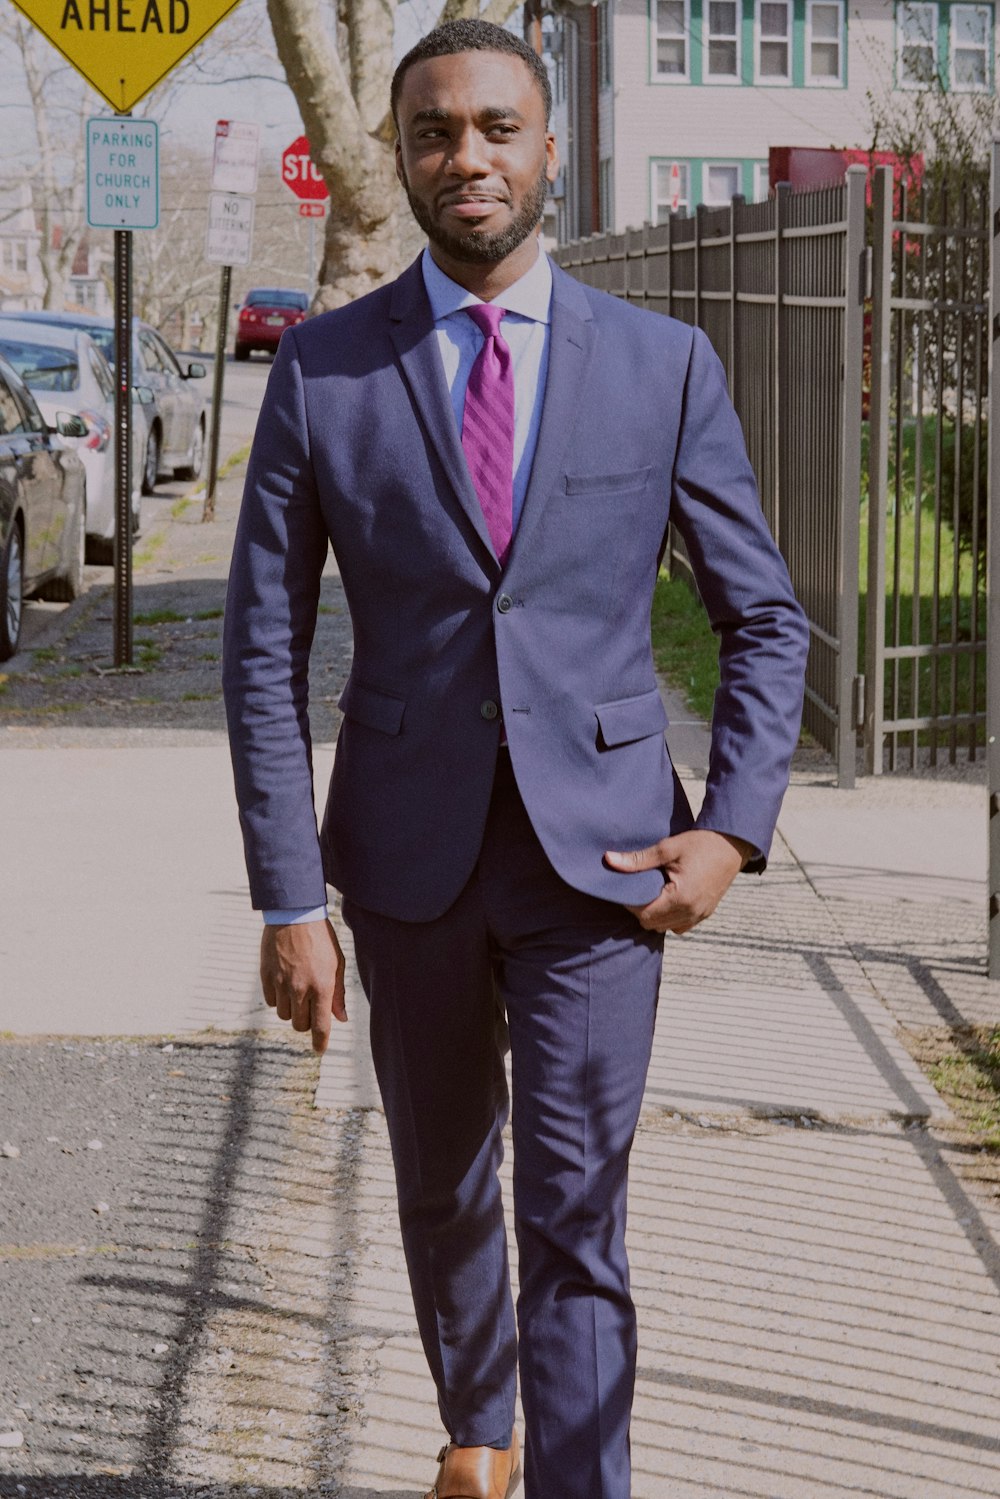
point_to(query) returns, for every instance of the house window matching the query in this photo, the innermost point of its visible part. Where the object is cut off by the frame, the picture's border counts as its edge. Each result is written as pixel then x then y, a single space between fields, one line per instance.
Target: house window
pixel 723 47
pixel 671 40
pixel 603 45
pixel 671 189
pixel 971 46
pixel 721 182
pixel 824 48
pixel 774 41
pixel 916 42
pixel 761 181
pixel 14 254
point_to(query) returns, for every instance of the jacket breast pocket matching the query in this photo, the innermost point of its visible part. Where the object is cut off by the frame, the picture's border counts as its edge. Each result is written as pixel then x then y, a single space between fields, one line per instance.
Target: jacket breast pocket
pixel 610 484
pixel 631 718
pixel 372 707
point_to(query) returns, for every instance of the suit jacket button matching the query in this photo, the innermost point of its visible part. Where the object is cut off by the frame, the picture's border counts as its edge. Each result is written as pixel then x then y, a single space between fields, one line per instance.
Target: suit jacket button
pixel 489 709
pixel 505 603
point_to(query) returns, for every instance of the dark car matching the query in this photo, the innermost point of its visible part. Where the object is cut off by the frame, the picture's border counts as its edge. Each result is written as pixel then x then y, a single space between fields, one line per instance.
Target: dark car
pixel 175 441
pixel 43 513
pixel 265 314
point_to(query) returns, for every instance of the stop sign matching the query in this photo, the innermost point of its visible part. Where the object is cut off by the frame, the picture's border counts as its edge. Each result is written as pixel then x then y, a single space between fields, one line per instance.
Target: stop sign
pixel 298 171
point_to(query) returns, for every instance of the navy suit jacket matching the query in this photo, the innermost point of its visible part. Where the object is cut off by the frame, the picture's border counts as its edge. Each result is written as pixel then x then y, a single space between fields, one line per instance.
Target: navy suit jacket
pixel 357 445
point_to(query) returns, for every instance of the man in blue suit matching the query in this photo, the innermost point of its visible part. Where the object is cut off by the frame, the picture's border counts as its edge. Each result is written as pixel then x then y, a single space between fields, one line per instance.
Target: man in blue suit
pixel 497 498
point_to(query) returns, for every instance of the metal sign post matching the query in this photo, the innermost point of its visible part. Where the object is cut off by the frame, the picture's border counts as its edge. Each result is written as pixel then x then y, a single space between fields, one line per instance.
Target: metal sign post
pixel 123 449
pixel 229 242
pixel 123 194
pixel 993 584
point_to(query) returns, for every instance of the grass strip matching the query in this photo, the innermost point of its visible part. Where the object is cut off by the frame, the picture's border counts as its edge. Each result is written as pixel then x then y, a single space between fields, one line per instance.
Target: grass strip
pixel 684 649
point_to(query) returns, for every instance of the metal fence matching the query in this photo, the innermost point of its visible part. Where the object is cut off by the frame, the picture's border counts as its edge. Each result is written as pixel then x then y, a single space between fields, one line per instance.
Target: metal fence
pixel 779 289
pixel 928 458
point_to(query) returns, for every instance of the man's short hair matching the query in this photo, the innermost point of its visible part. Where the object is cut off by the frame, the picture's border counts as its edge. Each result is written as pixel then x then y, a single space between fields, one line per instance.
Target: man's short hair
pixel 472 36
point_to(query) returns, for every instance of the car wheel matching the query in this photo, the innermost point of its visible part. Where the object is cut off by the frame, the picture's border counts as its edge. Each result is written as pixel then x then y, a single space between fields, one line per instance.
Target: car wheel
pixel 193 469
pixel 242 351
pixel 11 593
pixel 64 589
pixel 151 468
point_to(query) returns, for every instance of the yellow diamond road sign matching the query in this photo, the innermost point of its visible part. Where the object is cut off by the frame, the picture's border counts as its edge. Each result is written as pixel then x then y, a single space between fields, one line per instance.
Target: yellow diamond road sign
pixel 124 47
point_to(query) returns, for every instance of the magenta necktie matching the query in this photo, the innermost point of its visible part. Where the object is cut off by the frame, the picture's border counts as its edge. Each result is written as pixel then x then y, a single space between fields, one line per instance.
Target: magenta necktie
pixel 488 427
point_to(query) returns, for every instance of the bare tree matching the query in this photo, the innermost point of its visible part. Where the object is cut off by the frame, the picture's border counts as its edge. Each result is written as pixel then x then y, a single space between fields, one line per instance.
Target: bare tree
pixel 54 169
pixel 339 67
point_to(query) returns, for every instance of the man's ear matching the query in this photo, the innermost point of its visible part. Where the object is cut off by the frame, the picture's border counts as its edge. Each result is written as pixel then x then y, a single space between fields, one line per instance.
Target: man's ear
pixel 398 155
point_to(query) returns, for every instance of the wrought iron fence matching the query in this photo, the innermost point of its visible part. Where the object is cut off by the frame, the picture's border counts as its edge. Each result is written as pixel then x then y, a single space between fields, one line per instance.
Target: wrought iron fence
pixel 927 521
pixel 779 289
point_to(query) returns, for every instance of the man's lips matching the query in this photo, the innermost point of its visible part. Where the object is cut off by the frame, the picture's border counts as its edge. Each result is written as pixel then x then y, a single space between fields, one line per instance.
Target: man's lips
pixel 471 206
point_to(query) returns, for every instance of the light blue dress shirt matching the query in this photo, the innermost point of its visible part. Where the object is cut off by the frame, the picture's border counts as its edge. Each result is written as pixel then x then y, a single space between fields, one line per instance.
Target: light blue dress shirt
pixel 525 330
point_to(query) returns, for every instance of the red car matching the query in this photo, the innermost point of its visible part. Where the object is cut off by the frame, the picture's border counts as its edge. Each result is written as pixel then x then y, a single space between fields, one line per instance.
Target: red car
pixel 265 314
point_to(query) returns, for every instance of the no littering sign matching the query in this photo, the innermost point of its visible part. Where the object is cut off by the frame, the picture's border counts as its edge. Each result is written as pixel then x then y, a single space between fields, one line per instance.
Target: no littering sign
pixel 123 174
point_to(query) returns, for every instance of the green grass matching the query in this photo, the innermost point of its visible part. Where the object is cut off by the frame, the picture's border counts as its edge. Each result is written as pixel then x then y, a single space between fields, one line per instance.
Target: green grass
pixel 160 617
pixel 178 508
pixel 684 648
pixel 200 697
pixel 968 1077
pixel 209 614
pixel 46 653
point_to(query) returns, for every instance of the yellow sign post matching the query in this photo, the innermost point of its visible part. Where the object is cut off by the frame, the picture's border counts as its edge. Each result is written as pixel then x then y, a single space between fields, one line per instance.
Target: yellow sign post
pixel 124 47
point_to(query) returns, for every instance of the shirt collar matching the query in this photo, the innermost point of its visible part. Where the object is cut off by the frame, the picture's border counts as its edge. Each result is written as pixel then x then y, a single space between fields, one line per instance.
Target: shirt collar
pixel 529 296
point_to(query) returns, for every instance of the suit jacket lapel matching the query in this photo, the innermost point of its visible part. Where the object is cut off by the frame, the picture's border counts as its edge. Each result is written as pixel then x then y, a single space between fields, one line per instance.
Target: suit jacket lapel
pixel 412 331
pixel 571 343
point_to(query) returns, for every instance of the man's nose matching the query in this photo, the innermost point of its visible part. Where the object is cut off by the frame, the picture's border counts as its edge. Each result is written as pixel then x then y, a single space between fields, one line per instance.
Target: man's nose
pixel 468 156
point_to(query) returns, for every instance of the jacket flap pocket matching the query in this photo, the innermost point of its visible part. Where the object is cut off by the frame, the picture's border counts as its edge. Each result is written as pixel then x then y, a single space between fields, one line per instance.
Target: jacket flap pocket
pixel 607 483
pixel 631 718
pixel 375 709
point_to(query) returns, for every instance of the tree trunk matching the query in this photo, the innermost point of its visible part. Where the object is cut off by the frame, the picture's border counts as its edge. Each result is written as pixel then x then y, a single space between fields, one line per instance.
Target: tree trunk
pixel 341 84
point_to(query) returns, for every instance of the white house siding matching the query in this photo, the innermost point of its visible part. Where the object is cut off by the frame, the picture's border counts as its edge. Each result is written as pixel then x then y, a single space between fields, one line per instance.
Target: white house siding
pixel 732 122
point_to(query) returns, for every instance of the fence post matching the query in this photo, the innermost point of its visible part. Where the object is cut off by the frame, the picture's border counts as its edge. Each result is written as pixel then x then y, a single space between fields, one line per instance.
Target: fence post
pixel 993 583
pixel 699 216
pixel 781 193
pixel 735 203
pixel 878 467
pixel 850 475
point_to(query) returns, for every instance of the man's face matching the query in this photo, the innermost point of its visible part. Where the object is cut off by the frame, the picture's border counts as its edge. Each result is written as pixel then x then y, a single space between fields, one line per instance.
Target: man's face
pixel 473 153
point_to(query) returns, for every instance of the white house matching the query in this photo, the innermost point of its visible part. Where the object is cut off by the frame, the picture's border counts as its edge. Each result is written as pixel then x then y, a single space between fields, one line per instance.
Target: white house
pixel 22 285
pixel 664 104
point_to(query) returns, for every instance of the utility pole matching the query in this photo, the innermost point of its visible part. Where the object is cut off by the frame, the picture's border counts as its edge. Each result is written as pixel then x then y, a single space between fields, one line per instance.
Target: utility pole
pixel 533 24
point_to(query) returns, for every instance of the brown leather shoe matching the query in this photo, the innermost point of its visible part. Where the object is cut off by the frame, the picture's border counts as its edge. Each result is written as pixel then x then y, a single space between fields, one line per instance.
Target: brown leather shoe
pixel 477 1472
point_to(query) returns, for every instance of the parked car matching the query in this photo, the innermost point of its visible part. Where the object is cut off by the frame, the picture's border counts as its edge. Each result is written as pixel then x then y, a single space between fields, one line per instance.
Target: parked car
pixel 42 506
pixel 175 440
pixel 264 315
pixel 65 371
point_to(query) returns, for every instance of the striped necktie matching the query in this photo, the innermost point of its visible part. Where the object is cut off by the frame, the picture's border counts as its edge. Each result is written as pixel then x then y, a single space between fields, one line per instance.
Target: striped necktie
pixel 488 427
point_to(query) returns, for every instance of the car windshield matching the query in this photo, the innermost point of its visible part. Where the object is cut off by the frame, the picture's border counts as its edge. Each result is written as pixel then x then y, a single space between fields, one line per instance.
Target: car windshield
pixel 42 367
pixel 278 298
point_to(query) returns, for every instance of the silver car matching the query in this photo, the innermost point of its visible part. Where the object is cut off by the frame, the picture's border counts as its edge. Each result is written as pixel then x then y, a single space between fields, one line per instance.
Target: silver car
pixel 175 442
pixel 65 371
pixel 42 489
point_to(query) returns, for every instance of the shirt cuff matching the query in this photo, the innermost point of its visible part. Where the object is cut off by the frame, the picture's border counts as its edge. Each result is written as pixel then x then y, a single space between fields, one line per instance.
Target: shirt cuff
pixel 295 917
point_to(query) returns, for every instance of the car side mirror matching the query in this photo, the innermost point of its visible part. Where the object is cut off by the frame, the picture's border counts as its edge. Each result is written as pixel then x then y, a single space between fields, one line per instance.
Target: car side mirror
pixel 68 424
pixel 143 395
pixel 195 371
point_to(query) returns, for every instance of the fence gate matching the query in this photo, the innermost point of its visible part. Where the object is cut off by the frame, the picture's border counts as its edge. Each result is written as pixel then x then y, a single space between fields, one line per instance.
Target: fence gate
pixel 925 655
pixel 778 287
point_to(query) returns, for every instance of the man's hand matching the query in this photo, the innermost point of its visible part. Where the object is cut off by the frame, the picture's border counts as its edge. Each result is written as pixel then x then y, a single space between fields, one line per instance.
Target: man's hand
pixel 698 866
pixel 302 973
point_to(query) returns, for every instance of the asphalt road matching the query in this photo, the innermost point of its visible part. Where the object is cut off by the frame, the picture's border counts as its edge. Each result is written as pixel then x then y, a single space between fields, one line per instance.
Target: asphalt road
pixel 243 391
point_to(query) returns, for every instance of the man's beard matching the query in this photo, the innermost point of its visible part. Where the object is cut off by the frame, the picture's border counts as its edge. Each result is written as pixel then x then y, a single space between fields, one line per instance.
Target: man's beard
pixel 484 249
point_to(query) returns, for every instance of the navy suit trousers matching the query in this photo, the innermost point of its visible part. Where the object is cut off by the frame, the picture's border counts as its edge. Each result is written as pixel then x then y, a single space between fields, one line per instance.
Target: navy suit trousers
pixel 572 981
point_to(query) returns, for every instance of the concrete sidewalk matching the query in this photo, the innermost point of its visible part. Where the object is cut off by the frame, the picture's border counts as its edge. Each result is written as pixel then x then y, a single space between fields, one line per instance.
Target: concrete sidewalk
pixel 818 1287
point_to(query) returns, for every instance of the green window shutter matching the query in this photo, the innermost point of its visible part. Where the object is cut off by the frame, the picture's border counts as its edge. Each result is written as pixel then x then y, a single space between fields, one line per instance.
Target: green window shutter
pixel 799 44
pixel 749 40
pixel 697 42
